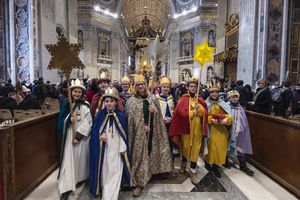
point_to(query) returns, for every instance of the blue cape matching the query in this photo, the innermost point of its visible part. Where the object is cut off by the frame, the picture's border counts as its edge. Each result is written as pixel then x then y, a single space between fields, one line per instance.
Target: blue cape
pixel 97 148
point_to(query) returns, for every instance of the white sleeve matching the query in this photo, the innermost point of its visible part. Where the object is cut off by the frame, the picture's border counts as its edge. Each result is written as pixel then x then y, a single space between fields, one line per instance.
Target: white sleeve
pixel 86 122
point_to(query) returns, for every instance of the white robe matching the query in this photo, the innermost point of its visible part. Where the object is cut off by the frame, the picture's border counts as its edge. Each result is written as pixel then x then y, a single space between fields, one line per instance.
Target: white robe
pixel 112 165
pixel 75 164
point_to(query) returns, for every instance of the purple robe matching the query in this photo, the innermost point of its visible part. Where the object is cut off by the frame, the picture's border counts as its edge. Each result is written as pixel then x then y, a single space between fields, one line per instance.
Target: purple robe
pixel 240 140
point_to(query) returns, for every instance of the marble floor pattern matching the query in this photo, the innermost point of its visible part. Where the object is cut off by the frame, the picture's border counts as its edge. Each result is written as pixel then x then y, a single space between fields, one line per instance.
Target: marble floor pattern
pixel 233 185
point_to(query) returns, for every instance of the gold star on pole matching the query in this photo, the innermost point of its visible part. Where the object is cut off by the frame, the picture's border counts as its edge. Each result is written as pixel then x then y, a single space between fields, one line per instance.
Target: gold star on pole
pixel 203 53
pixel 64 56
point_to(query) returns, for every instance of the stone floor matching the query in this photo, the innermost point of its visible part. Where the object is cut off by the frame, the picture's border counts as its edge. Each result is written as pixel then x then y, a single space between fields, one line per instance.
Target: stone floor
pixel 233 185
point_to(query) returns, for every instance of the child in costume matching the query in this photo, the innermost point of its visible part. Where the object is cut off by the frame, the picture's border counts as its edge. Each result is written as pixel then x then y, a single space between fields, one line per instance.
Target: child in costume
pixel 109 163
pixel 240 140
pixel 74 143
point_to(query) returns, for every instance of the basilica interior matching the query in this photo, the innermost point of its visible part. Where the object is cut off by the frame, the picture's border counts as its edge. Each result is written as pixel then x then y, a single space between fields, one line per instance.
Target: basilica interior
pixel 251 40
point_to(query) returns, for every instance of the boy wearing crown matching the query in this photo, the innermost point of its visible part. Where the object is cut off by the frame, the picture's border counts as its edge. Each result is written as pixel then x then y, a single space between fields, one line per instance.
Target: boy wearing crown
pixel 189 127
pixel 109 164
pixel 148 138
pixel 219 119
pixel 240 139
pixel 125 94
pixel 166 101
pixel 75 140
pixel 97 104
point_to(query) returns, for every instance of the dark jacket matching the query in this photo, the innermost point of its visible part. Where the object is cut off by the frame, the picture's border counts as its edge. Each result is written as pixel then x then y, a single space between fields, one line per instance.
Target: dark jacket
pixel 29 102
pixel 263 101
pixel 295 102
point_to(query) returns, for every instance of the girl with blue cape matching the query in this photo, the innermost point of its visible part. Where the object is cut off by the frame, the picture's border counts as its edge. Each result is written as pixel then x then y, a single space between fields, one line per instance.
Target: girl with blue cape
pixel 109 163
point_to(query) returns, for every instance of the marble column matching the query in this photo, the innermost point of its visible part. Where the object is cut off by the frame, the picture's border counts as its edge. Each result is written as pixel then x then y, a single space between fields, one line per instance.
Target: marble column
pixel 261 39
pixel 283 59
pixel 3 39
pixel 174 54
pixel 247 37
pixel 22 48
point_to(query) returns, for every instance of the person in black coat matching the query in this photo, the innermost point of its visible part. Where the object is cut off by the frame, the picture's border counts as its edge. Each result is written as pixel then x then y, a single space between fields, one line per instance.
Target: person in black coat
pixel 9 102
pixel 295 101
pixel 262 101
pixel 240 88
pixel 284 101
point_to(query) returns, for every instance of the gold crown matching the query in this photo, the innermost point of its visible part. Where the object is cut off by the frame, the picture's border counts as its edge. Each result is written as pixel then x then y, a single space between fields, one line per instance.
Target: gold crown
pixel 232 93
pixel 125 79
pixel 193 80
pixel 104 76
pixel 111 91
pixel 77 84
pixel 214 85
pixel 165 80
pixel 138 78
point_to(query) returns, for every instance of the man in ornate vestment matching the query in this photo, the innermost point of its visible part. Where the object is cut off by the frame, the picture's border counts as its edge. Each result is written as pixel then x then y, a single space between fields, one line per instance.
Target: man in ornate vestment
pixel 189 127
pixel 219 120
pixel 148 139
pixel 125 94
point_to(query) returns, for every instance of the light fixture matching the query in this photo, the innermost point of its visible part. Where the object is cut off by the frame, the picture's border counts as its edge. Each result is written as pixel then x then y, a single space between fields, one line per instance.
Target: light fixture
pixel 106 12
pixel 186 12
pixel 145 7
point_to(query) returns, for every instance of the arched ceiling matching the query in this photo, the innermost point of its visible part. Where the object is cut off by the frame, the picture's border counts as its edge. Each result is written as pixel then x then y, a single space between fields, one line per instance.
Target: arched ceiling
pixel 157 11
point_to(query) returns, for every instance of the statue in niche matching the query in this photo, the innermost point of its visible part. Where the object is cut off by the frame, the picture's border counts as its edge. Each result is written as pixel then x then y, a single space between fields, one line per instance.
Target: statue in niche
pixel 187 49
pixel 211 38
pixel 80 38
pixel 186 43
pixel 210 73
pixel 186 75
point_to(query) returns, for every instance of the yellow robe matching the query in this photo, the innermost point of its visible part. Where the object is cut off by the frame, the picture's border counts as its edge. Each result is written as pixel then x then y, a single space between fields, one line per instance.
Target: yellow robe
pixel 218 141
pixel 191 143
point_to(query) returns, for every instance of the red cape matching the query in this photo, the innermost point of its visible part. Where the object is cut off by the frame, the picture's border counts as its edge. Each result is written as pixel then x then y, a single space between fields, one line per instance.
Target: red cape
pixel 181 122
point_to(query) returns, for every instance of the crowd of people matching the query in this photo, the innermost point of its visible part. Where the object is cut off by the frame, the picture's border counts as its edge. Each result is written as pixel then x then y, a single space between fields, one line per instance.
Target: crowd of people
pixel 120 135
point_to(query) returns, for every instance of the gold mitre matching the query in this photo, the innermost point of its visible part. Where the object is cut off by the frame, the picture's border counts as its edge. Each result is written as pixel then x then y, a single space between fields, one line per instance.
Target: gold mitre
pixel 111 91
pixel 233 93
pixel 125 79
pixel 193 80
pixel 104 76
pixel 214 86
pixel 165 80
pixel 138 78
pixel 77 84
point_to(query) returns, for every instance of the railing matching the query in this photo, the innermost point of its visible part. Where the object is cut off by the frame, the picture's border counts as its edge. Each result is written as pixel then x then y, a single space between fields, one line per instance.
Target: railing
pixel 105 59
pixel 185 59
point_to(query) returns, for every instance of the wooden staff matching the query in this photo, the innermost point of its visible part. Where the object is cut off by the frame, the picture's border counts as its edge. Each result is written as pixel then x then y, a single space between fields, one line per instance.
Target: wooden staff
pixel 71 106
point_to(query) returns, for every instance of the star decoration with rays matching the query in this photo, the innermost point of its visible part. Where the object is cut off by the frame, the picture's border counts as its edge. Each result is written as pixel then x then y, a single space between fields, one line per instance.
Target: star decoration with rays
pixel 203 53
pixel 64 56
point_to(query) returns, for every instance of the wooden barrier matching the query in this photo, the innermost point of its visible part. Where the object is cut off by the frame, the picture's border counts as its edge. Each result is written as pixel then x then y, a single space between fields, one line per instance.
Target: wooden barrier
pixel 276 149
pixel 28 155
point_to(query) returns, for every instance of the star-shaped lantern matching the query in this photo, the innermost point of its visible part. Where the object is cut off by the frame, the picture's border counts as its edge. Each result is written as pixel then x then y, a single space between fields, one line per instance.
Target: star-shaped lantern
pixel 64 56
pixel 203 53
